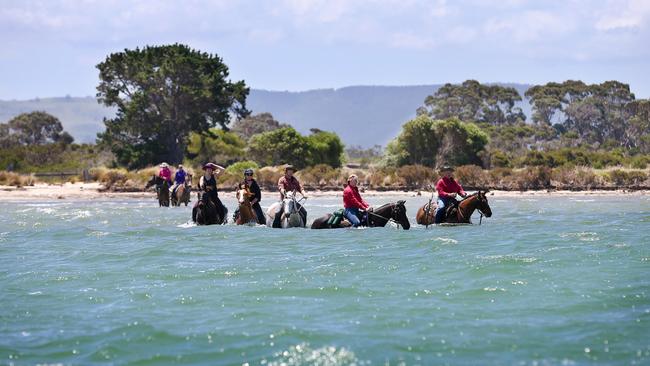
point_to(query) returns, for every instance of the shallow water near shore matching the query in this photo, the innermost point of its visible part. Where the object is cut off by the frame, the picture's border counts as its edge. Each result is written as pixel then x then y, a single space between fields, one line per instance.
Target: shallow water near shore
pixel 559 280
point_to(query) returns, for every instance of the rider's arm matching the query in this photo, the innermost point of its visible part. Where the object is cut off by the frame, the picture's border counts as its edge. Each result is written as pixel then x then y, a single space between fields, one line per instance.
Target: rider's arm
pixel 218 169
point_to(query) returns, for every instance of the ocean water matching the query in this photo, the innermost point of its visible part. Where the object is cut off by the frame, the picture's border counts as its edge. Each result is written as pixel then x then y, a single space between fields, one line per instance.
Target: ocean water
pixel 545 281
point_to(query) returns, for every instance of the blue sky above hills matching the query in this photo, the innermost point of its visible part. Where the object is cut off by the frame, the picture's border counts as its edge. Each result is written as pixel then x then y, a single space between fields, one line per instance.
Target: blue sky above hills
pixel 50 48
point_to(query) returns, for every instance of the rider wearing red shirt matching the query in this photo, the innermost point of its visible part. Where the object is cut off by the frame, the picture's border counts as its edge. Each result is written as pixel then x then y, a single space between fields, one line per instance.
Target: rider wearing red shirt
pixel 352 201
pixel 447 189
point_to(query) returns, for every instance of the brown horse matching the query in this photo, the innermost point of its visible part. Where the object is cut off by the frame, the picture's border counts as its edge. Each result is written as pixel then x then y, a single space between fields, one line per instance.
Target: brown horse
pixel 162 190
pixel 461 214
pixel 245 215
pixel 182 194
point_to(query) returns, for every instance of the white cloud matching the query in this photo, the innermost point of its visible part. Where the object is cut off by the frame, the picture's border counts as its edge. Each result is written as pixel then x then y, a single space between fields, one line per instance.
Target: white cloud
pixel 529 26
pixel 620 15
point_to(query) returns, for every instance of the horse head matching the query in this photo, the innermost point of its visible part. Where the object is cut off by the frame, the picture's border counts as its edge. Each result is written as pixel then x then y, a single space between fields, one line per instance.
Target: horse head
pixel 151 181
pixel 399 215
pixel 483 206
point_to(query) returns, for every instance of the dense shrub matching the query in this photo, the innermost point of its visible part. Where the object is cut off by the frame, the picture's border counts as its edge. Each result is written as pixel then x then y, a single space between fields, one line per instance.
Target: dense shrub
pixel 472 176
pixel 267 177
pixel 626 178
pixel 575 178
pixel 415 176
pixel 321 175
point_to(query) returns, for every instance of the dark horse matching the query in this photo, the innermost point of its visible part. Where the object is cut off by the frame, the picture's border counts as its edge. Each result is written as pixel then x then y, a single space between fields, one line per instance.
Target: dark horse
pixel 162 190
pixel 378 217
pixel 456 214
pixel 206 212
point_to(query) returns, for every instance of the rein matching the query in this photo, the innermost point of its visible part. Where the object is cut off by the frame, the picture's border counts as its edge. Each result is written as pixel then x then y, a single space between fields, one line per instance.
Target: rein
pixel 388 219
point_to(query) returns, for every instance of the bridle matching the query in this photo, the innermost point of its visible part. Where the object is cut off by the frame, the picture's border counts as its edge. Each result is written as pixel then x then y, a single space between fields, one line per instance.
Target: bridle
pixel 393 215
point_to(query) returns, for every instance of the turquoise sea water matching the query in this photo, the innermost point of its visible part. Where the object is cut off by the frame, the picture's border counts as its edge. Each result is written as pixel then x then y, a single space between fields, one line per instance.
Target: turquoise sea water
pixel 544 281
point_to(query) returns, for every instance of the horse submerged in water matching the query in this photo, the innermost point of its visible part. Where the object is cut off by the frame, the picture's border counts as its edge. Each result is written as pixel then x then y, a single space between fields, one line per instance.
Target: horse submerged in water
pixel 162 190
pixel 245 215
pixel 460 213
pixel 287 213
pixel 379 217
pixel 206 212
pixel 182 193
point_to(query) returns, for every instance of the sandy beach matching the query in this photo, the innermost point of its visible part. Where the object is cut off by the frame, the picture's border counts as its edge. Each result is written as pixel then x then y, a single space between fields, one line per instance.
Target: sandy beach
pixel 93 191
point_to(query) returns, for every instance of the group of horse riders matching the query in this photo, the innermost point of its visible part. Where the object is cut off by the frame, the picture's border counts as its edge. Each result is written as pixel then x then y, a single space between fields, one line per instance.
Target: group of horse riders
pixel 355 208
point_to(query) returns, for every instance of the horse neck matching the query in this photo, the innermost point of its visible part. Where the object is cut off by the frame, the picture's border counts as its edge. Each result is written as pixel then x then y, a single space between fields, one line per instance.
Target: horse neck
pixel 384 214
pixel 466 208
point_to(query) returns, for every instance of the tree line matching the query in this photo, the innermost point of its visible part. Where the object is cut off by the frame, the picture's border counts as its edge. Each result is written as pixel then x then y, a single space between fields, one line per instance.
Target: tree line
pixel 177 104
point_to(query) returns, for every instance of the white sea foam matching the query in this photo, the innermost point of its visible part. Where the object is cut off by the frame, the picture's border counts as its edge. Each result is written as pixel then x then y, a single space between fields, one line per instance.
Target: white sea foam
pixel 445 240
pixel 303 354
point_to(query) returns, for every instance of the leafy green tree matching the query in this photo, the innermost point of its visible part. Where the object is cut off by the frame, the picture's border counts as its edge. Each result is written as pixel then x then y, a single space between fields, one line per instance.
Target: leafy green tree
pixel 326 148
pixel 256 124
pixel 281 146
pixel 35 128
pixel 162 93
pixel 215 145
pixel 430 142
pixel 472 101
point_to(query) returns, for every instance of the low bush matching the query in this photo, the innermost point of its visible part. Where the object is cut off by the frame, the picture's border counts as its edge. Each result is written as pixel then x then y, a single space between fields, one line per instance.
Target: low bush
pixel 576 178
pixel 321 175
pixel 626 178
pixel 415 176
pixel 472 176
pixel 15 179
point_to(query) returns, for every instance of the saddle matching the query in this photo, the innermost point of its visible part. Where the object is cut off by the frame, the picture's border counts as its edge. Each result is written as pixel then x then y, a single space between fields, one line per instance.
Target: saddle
pixel 452 210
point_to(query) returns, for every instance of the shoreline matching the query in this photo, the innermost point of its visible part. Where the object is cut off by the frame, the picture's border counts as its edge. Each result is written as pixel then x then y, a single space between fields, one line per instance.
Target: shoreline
pixel 92 191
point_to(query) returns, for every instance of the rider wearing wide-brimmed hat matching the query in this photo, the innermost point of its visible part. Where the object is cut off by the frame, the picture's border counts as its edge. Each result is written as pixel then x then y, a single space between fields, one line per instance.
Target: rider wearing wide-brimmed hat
pixel 254 188
pixel 448 189
pixel 166 174
pixel 289 183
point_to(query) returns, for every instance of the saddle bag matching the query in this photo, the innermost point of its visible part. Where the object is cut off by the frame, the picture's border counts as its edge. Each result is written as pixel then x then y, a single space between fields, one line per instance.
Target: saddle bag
pixel 336 218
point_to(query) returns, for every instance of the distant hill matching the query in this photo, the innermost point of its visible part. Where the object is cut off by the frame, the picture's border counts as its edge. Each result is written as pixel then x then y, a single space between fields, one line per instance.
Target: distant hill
pixel 361 115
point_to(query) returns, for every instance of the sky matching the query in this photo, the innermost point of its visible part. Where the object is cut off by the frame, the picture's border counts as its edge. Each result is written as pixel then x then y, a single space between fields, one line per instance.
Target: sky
pixel 51 47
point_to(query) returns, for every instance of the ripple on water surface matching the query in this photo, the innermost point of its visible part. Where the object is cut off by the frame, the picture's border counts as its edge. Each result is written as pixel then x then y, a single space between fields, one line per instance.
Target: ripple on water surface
pixel 124 282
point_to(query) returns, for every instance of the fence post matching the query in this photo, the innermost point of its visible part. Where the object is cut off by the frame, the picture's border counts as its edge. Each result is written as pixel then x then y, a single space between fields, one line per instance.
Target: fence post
pixel 86 175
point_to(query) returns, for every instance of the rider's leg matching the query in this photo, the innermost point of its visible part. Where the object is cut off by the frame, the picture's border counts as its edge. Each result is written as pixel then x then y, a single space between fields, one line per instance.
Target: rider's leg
pixel 303 214
pixel 352 214
pixel 440 213
pixel 261 217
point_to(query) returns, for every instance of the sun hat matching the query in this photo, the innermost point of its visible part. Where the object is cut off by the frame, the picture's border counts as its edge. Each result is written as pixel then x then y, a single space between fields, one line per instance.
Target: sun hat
pixel 164 165
pixel 289 167
pixel 352 176
pixel 248 171
pixel 212 166
pixel 447 168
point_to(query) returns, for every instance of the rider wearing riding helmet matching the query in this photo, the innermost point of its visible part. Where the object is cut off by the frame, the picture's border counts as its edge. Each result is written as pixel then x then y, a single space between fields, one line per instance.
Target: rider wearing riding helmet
pixel 254 188
pixel 352 201
pixel 208 184
pixel 448 189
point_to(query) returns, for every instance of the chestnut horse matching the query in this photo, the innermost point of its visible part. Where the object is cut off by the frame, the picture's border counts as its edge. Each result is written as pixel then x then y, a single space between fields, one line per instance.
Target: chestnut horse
pixel 378 217
pixel 245 215
pixel 461 214
pixel 182 194
pixel 163 192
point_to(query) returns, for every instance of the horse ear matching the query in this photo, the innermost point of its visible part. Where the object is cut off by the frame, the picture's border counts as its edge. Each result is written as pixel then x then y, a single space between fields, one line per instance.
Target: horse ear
pixel 401 202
